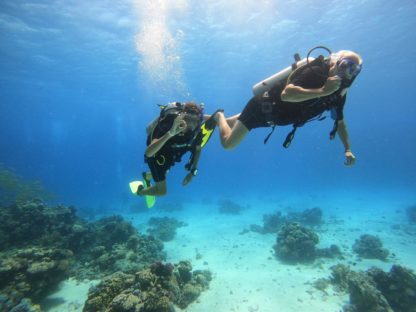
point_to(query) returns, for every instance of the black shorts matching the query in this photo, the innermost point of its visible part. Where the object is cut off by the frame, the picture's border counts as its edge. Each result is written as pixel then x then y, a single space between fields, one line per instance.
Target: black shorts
pixel 159 166
pixel 252 116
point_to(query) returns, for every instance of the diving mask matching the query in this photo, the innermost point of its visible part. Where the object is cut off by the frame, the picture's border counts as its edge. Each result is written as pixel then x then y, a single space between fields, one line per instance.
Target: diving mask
pixel 348 68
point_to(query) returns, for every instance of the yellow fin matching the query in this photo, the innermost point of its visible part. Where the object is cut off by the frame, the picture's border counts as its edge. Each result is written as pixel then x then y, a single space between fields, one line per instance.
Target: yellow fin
pixel 134 186
pixel 206 134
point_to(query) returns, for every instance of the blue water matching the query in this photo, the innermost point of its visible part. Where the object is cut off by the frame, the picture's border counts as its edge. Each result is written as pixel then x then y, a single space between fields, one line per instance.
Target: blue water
pixel 80 80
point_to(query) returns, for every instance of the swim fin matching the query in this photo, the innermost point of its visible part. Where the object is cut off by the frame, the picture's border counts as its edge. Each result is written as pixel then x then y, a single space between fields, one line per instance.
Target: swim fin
pixel 208 127
pixel 135 186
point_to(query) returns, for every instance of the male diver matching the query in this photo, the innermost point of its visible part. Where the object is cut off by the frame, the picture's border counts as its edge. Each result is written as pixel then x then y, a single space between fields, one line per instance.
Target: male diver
pixel 179 129
pixel 304 95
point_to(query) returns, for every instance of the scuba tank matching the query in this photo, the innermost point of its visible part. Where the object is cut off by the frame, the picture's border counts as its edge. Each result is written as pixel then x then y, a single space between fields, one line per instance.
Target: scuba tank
pixel 267 84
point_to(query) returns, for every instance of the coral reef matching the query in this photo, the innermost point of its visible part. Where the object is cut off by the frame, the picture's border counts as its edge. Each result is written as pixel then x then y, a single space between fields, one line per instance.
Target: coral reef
pixel 332 251
pixel 41 245
pixel 164 228
pixel 370 247
pixel 229 207
pixel 311 217
pixel 31 273
pixel 296 243
pixel 411 214
pixel 114 245
pixel 364 295
pixel 100 248
pixel 101 296
pixel 339 277
pixel 154 289
pixel 33 223
pixel 398 286
pixel 17 304
pixel 272 223
pixel 376 290
pixel 111 230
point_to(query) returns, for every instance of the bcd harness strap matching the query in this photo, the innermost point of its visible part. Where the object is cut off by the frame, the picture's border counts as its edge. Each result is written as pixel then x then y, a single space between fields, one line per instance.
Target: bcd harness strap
pixel 291 135
pixel 301 122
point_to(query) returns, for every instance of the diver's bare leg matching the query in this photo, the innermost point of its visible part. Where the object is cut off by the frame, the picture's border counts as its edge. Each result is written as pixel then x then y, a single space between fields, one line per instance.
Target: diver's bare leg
pixel 230 137
pixel 232 120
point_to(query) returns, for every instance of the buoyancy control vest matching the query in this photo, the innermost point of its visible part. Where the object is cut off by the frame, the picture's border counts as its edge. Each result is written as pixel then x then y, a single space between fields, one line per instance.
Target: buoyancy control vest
pixel 272 87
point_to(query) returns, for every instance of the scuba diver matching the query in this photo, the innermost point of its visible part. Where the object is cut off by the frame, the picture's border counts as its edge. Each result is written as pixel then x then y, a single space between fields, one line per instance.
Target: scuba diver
pixel 180 128
pixel 297 95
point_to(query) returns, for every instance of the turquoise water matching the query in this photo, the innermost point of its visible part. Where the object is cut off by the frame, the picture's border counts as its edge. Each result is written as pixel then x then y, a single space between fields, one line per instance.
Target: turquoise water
pixel 79 81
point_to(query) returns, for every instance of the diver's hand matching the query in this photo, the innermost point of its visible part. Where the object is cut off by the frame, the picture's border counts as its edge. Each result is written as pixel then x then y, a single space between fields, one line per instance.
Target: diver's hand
pixel 178 126
pixel 332 84
pixel 350 159
pixel 187 179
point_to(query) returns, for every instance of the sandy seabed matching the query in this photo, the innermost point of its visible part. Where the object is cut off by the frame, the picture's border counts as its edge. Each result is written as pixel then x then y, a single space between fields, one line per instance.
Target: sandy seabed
pixel 247 276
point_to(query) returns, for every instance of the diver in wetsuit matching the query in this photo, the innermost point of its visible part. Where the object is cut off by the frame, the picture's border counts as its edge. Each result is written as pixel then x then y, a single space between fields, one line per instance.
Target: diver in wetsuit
pixel 180 128
pixel 305 95
pixel 176 132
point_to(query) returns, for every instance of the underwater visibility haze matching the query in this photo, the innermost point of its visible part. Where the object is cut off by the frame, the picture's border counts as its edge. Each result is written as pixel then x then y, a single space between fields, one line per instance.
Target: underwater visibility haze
pixel 81 80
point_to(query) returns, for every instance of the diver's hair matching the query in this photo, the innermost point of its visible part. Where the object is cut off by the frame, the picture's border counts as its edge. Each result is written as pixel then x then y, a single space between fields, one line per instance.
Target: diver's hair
pixel 193 114
pixel 346 53
pixel 192 108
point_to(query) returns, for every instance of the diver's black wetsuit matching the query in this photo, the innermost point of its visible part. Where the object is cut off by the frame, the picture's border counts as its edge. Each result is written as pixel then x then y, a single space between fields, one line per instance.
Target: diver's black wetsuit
pixel 172 151
pixel 270 110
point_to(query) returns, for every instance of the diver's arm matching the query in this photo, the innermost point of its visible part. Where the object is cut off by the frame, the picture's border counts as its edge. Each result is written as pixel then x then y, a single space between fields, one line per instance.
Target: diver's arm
pixel 345 139
pixel 157 144
pixel 343 134
pixel 292 93
pixel 197 154
pixel 178 125
pixel 194 165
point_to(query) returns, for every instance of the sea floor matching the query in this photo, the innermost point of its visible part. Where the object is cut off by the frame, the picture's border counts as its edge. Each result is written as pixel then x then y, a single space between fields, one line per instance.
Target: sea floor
pixel 246 274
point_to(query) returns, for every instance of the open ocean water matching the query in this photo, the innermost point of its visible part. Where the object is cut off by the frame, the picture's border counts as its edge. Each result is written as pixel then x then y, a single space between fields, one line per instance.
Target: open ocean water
pixel 80 81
